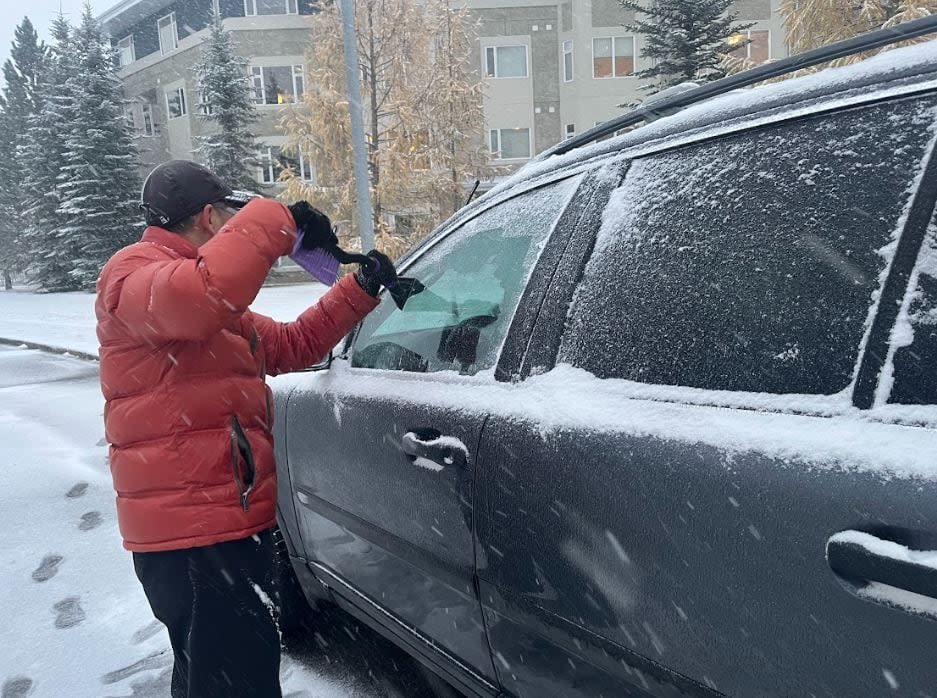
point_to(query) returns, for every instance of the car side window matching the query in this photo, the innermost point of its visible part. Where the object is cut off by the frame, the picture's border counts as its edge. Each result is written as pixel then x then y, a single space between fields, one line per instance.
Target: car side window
pixel 749 262
pixel 915 359
pixel 474 279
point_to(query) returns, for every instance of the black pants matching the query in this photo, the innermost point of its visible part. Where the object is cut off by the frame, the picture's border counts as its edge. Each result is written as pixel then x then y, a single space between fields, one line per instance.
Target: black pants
pixel 217 602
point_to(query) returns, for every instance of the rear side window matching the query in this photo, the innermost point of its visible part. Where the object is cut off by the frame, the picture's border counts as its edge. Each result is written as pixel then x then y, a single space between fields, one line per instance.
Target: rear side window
pixel 749 262
pixel 474 279
pixel 915 359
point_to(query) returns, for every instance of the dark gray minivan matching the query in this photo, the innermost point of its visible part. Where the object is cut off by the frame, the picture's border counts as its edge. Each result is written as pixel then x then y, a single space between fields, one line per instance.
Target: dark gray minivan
pixel 664 421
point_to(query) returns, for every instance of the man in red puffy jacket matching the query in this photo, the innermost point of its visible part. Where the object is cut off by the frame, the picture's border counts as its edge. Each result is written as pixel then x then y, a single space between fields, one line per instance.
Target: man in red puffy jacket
pixel 188 414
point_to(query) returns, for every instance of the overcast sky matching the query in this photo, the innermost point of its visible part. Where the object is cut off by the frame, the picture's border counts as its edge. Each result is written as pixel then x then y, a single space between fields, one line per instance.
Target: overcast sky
pixel 40 12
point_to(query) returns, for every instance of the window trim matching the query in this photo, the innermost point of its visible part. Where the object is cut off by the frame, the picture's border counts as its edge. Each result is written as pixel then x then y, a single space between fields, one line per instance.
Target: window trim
pixel 265 164
pixel 495 154
pixel 297 70
pixel 182 101
pixel 748 47
pixel 121 48
pixel 572 61
pixel 291 7
pixel 303 164
pixel 493 49
pixel 634 57
pixel 149 129
pixel 175 33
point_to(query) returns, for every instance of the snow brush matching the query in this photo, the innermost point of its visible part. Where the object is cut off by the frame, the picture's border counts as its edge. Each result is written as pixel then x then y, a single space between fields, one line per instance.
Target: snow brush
pixel 323 264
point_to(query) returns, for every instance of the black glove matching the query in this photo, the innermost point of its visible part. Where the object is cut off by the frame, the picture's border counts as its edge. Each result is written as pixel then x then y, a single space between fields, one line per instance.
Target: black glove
pixel 315 226
pixel 376 272
pixel 379 271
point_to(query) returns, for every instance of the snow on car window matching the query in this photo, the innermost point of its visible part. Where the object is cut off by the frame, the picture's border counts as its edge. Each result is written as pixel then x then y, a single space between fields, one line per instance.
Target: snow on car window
pixel 911 370
pixel 750 262
pixel 474 279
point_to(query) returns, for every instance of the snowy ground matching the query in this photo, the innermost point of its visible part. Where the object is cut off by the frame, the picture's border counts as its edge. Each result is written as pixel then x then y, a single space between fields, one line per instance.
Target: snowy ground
pixel 67 319
pixel 73 619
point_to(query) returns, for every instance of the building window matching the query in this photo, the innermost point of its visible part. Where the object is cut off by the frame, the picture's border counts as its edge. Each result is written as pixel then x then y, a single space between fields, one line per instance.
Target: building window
pixel 204 106
pixel 305 169
pixel 149 128
pixel 570 131
pixel 567 61
pixel 125 51
pixel 277 84
pixel 130 118
pixel 269 171
pixel 175 103
pixel 506 61
pixel 270 7
pixel 758 48
pixel 272 162
pixel 168 35
pixel 613 57
pixel 510 143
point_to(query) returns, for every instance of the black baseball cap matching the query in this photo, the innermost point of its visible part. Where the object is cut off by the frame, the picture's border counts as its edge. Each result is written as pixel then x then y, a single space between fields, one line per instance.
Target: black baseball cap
pixel 178 189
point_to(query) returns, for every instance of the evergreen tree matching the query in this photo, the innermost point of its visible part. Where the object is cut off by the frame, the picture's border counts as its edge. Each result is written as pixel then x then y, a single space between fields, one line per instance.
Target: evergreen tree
pixel 99 183
pixel 21 73
pixel 46 251
pixel 226 109
pixel 687 40
pixel 810 24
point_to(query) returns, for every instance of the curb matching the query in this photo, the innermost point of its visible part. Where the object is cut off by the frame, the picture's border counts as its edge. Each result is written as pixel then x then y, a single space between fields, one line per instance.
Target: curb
pixel 49 348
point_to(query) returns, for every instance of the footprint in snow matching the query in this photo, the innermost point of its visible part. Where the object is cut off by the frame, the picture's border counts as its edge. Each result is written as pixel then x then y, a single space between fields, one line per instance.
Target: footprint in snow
pixel 48 568
pixel 157 660
pixel 146 632
pixel 17 687
pixel 90 520
pixel 77 490
pixel 69 612
pixel 158 686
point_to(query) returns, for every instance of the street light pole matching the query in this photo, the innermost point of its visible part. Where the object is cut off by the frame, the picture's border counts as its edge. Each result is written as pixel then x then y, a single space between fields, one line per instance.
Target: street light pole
pixel 362 186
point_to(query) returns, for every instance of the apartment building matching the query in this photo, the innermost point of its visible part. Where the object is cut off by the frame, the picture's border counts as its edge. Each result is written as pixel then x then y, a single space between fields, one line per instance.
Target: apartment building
pixel 158 44
pixel 551 69
pixel 555 69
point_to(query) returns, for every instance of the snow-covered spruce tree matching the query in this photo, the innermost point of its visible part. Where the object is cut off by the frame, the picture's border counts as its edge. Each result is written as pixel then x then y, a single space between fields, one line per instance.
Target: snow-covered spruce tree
pixel 686 40
pixel 810 24
pixel 226 110
pixel 46 251
pixel 99 184
pixel 422 111
pixel 19 102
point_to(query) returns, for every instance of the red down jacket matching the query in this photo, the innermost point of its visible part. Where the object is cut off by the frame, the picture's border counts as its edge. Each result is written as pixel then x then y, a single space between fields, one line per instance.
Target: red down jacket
pixel 188 414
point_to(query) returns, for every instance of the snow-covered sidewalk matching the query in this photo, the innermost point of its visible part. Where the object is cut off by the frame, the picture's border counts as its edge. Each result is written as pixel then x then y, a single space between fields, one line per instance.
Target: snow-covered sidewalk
pixel 74 618
pixel 66 320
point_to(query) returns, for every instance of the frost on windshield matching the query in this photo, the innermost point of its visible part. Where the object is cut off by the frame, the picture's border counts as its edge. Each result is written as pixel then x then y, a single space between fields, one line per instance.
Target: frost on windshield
pixel 474 280
pixel 750 262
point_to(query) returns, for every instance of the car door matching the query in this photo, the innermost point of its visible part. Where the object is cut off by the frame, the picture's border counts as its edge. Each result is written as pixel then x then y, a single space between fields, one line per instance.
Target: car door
pixel 706 508
pixel 382 447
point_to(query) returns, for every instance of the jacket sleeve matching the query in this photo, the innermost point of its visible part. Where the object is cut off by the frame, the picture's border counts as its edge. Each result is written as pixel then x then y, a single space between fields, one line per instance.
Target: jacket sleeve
pixel 192 299
pixel 291 346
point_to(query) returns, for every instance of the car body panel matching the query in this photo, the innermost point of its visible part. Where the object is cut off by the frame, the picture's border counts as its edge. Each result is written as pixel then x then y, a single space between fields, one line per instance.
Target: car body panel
pixel 617 558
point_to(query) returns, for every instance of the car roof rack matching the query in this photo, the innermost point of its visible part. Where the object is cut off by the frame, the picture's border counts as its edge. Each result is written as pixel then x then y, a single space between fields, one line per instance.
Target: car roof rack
pixel 784 66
